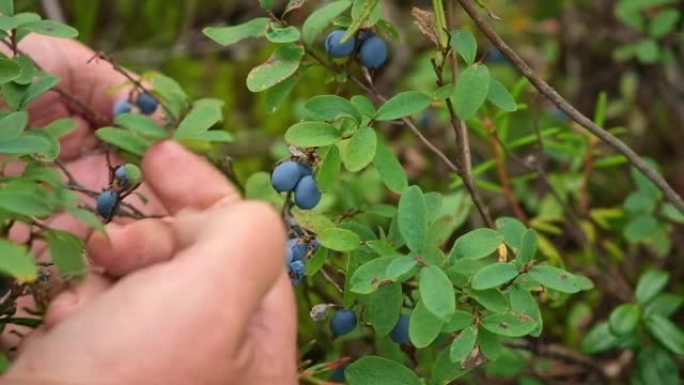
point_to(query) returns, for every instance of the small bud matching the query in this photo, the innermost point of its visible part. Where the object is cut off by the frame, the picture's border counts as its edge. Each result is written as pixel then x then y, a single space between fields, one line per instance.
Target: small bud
pixel 320 312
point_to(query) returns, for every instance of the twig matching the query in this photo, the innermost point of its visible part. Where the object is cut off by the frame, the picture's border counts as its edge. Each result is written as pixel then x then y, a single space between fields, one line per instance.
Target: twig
pixel 330 279
pixel 559 353
pixel 552 95
pixel 503 174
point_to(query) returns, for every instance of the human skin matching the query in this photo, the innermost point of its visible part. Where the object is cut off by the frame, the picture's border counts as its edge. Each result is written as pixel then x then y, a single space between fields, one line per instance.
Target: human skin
pixel 199 296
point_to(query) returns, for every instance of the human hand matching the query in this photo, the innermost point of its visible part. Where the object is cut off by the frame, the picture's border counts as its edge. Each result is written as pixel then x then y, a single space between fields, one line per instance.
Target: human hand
pixel 200 297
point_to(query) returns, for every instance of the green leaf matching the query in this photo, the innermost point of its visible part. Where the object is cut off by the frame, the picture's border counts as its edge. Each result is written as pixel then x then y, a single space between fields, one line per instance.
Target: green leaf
pixel 321 18
pixel 51 152
pixel 655 367
pixel 7 7
pixel 280 66
pixel 87 217
pixel 50 28
pixel 500 97
pixel 490 345
pixel 362 11
pixel 9 70
pixel 339 239
pixel 359 151
pixel 476 244
pixel 313 221
pixel 17 262
pixel 528 248
pixel 667 333
pixel 170 92
pixel 471 91
pixel 24 198
pixel 624 319
pixel 280 35
pixel 60 127
pixel 143 125
pixel 599 339
pixel 494 275
pixel 424 327
pixel 363 105
pixel 436 292
pixel 444 371
pixel 664 304
pixel 391 171
pixel 412 218
pixel 647 51
pixel 663 23
pixel 266 4
pixel 28 69
pixel 641 228
pixel 463 344
pixel 463 42
pixel 12 125
pixel 509 324
pixel 330 107
pixel 403 104
pixel 66 251
pixel 401 267
pixel 276 95
pixel 459 321
pixel 123 139
pixel 554 278
pixel 523 301
pixel 329 170
pixel 233 34
pixel 374 370
pixel 384 307
pixel 368 276
pixel 198 120
pixel 293 5
pixel 491 299
pixel 312 134
pixel 650 284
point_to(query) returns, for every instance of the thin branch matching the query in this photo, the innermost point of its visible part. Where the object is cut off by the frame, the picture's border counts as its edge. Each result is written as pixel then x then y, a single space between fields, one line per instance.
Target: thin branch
pixel 552 95
pixel 503 174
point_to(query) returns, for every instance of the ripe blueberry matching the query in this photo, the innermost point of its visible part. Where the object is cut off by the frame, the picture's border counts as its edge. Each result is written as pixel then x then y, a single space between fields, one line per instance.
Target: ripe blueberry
pixel 107 204
pixel 338 374
pixel 400 333
pixel 121 107
pixel 299 249
pixel 127 175
pixel 147 103
pixel 286 175
pixel 343 322
pixel 297 271
pixel 315 245
pixel 373 52
pixel 307 195
pixel 336 49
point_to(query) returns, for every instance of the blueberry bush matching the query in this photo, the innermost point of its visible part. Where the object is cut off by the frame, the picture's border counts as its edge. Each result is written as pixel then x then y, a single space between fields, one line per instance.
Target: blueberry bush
pixel 451 217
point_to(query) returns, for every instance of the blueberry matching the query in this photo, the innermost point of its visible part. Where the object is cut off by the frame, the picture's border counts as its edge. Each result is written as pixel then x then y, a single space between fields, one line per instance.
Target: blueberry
pixel 307 195
pixel 400 333
pixel 373 52
pixel 128 175
pixel 286 175
pixel 343 322
pixel 299 249
pixel 297 271
pixel 305 169
pixel 107 204
pixel 336 49
pixel 121 107
pixel 147 103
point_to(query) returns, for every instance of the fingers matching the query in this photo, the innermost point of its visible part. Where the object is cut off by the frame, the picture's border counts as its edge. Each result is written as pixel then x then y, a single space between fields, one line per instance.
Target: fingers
pixel 70 301
pixel 129 247
pixel 182 179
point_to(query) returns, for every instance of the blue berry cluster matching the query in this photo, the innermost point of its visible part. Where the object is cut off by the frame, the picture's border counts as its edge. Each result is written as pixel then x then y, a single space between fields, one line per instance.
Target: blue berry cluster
pixel 291 176
pixel 145 103
pixel 123 180
pixel 372 50
pixel 298 249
